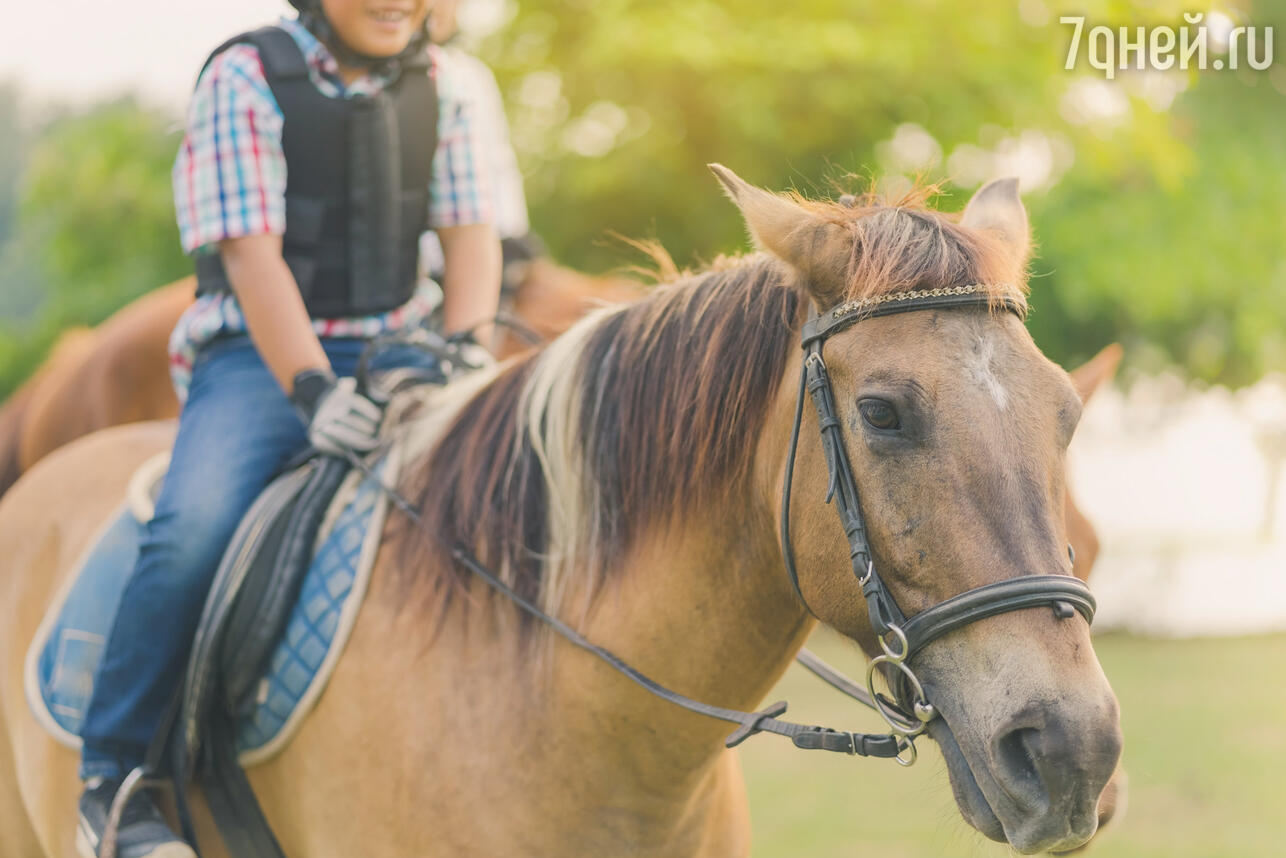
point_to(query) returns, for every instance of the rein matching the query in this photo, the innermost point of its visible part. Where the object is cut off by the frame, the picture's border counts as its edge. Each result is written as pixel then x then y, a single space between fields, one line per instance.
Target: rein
pixel 899 637
pixel 764 721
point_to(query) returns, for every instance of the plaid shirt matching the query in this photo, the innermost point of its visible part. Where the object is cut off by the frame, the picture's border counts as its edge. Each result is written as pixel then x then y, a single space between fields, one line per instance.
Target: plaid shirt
pixel 509 202
pixel 230 180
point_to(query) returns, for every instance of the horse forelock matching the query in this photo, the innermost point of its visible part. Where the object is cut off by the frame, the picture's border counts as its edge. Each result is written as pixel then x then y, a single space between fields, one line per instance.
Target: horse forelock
pixel 903 245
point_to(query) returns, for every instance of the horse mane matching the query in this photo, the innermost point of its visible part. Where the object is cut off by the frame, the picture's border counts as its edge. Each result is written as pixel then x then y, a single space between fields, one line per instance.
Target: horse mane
pixel 643 413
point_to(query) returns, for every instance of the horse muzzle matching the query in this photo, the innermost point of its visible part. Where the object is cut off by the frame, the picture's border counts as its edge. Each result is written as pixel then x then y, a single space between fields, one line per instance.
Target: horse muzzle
pixel 1031 776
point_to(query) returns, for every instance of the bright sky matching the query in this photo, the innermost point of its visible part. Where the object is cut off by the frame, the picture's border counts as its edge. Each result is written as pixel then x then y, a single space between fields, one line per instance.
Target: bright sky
pixel 81 49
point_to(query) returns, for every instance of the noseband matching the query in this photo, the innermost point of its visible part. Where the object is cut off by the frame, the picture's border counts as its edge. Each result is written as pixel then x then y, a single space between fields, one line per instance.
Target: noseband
pixel 900 637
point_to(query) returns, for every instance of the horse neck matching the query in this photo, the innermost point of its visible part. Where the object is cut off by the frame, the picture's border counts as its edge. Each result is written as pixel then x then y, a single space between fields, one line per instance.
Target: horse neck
pixel 701 604
pixel 581 758
pixel 704 608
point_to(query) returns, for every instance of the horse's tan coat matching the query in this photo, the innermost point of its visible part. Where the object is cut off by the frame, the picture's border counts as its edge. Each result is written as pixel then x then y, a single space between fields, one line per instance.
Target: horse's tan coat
pixel 459 742
pixel 418 751
pixel 416 757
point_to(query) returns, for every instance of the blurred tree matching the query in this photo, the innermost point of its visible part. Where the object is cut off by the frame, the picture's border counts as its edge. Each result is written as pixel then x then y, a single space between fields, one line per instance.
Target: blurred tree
pixel 785 94
pixel 20 288
pixel 11 151
pixel 1179 256
pixel 1157 198
pixel 95 224
pixel 98 187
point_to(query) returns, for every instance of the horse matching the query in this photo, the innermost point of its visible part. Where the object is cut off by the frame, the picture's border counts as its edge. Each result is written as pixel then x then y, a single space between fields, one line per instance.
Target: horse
pixel 627 480
pixel 115 373
pixel 69 353
pixel 1081 535
pixel 550 298
pixel 118 372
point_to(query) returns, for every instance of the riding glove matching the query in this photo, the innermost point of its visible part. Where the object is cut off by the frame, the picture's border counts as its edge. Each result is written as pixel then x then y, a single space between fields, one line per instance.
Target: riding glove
pixel 339 418
pixel 470 354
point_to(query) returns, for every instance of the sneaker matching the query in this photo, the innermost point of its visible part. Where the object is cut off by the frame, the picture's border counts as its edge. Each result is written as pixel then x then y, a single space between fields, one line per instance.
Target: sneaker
pixel 143 832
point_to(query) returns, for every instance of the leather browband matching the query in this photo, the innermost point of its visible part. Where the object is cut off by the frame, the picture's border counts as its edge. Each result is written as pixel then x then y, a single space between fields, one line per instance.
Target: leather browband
pixel 851 312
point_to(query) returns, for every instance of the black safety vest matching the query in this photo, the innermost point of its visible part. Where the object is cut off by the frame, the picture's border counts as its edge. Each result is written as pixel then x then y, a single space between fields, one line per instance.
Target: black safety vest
pixel 357 184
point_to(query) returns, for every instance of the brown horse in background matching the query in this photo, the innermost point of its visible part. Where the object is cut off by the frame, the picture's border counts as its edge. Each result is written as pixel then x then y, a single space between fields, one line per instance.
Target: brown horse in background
pixel 69 353
pixel 115 373
pixel 118 372
pixel 1087 378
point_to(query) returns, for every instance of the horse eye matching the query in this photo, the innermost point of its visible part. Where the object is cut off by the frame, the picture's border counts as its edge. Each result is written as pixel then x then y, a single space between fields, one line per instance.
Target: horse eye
pixel 879 414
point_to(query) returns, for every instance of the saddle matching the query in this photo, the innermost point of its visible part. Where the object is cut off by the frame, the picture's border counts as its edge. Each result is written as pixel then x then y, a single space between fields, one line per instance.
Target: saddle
pixel 284 601
pixel 255 592
pixel 262 638
pixel 258 613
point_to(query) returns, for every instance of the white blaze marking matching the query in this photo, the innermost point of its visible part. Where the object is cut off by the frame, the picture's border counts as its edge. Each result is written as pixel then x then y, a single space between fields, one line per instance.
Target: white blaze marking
pixel 980 364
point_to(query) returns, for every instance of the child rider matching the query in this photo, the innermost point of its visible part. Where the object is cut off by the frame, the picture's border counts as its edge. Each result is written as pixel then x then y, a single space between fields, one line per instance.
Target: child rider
pixel 317 151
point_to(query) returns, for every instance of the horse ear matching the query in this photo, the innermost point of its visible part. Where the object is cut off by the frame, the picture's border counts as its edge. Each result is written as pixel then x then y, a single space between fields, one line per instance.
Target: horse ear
pixel 819 250
pixel 997 207
pixel 1091 375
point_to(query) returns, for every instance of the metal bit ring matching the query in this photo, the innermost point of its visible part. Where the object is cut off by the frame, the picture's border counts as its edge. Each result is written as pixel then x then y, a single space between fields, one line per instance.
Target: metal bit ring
pixel 899 723
pixel 906 746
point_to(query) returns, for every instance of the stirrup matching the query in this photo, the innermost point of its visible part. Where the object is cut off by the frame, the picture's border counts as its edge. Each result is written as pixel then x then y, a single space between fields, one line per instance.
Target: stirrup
pixel 136 780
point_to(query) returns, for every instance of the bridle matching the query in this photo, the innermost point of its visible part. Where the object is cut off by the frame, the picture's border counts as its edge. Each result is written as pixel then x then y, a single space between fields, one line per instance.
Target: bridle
pixel 900 637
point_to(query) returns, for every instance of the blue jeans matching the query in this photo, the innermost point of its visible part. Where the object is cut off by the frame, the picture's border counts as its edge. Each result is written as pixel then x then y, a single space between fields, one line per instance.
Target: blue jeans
pixel 236 431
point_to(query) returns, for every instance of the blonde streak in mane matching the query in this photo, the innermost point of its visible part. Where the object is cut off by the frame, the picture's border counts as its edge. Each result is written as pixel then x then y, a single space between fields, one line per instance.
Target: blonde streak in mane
pixel 596 537
pixel 551 409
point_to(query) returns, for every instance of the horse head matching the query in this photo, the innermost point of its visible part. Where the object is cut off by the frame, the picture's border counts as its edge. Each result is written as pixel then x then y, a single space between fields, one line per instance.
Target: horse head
pixel 956 429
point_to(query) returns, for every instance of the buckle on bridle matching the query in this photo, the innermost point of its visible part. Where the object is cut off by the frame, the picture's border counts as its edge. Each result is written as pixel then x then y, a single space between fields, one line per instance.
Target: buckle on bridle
pixel 886 746
pixel 825 739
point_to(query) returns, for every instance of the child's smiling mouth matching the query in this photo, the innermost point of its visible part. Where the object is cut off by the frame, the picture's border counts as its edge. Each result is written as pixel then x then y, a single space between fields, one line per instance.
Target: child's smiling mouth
pixel 389 16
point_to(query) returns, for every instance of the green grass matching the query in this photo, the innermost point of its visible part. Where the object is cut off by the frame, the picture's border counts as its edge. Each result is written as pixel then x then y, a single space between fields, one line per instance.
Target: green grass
pixel 1205 749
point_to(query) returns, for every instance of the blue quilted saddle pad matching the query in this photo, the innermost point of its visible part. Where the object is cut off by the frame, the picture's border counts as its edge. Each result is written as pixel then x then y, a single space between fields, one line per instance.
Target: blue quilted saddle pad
pixel 69 644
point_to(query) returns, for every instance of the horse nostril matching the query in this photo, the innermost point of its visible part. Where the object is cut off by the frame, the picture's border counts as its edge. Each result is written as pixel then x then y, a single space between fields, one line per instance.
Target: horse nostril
pixel 1053 767
pixel 1016 754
